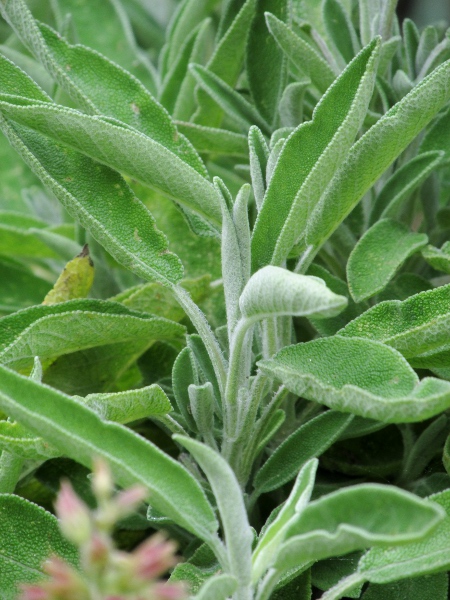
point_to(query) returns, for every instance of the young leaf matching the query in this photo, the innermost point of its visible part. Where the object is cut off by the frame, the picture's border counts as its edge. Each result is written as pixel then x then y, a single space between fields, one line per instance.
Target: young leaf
pixel 238 534
pixel 213 140
pixel 416 326
pixel 339 523
pixel 304 57
pixel 273 291
pixel 80 433
pixel 372 154
pixel 75 281
pixel 297 184
pixel 400 186
pixel 308 441
pixel 219 587
pixel 228 99
pixel 438 258
pixel 385 247
pixel 340 29
pixel 22 556
pixel 259 155
pixel 266 69
pixel 359 376
pixel 21 442
pixel 273 536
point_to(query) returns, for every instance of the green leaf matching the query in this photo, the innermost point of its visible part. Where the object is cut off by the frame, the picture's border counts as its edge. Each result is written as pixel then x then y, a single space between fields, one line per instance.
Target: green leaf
pixel 360 376
pixel 128 232
pixel 114 38
pixel 436 138
pixel 183 375
pixel 291 103
pixel 213 140
pixel 416 326
pixel 340 29
pixel 20 287
pixel 50 331
pixel 131 405
pixel 435 586
pixel 339 523
pixel 226 63
pixel 372 154
pixel 298 183
pixel 326 573
pixel 400 186
pixel 230 502
pixel 438 258
pixel 273 291
pixel 21 442
pixel 22 556
pixel 228 99
pixel 378 255
pixel 80 433
pixel 259 155
pixel 266 69
pixel 383 565
pixel 219 587
pixel 307 61
pixel 308 441
pixel 120 148
pixel 273 536
pixel 113 92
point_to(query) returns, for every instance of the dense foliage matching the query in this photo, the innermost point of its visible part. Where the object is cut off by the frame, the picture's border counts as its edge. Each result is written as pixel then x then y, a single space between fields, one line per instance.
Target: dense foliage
pixel 224 267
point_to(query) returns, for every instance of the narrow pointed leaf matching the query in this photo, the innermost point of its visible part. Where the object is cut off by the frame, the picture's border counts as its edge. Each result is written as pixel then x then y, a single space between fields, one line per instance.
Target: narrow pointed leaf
pixel 363 377
pixel 266 69
pixel 306 59
pixel 259 155
pixel 80 433
pixel 372 154
pixel 227 492
pixel 309 159
pixel 403 183
pixel 213 140
pixel 308 441
pixel 378 255
pixel 340 29
pixel 273 291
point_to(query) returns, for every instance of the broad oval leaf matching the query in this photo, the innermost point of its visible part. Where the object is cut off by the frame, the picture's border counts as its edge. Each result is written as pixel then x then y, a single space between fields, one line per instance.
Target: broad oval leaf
pixel 438 258
pixel 359 376
pixel 415 326
pixel 273 291
pixel 81 434
pixel 378 255
pixel 309 159
pixel 355 518
pixel 22 555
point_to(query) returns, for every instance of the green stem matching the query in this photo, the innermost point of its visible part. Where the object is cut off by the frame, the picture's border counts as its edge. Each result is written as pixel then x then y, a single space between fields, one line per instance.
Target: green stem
pixel 10 471
pixel 204 330
pixel 305 260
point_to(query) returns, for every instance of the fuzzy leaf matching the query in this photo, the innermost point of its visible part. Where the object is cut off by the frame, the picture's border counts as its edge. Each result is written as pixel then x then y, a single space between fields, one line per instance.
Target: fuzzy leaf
pixel 304 57
pixel 359 376
pixel 372 154
pixel 238 534
pixel 418 325
pixel 259 155
pixel 417 588
pixel 438 258
pixel 50 331
pixel 378 255
pixel 266 70
pixel 220 587
pixel 309 159
pixel 308 441
pixel 273 291
pixel 80 433
pixel 213 140
pixel 355 518
pixel 29 536
pixel 400 186
pixel 340 29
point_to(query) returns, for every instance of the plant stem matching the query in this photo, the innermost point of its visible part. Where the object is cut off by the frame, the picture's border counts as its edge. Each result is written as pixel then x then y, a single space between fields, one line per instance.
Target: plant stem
pixel 204 330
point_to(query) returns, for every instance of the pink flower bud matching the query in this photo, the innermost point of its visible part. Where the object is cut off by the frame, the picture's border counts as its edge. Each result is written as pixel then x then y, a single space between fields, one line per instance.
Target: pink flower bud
pixel 154 557
pixel 74 516
pixel 169 591
pixel 128 500
pixel 102 482
pixel 33 592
